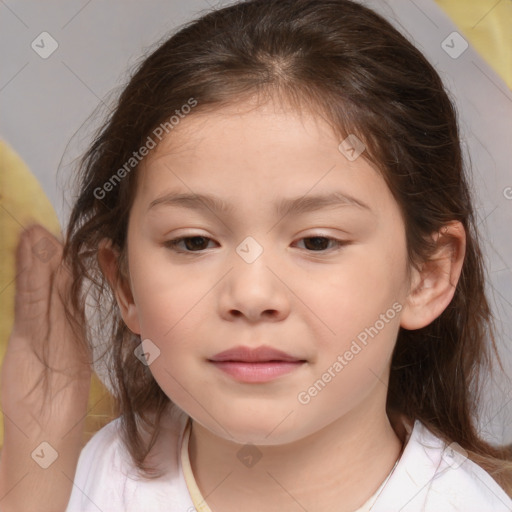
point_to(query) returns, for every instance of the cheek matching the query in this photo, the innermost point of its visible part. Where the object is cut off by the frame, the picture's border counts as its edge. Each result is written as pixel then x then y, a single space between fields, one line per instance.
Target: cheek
pixel 359 306
pixel 170 304
pixel 350 367
pixel 166 296
pixel 354 296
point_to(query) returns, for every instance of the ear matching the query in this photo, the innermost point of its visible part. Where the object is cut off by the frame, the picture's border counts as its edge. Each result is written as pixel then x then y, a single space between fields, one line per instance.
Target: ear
pixel 433 286
pixel 109 261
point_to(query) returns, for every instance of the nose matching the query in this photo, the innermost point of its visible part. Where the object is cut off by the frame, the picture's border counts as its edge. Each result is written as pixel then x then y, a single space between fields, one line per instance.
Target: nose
pixel 254 292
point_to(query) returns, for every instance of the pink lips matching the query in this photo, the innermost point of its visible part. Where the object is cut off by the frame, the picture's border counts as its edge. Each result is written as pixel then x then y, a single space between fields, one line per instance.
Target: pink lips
pixel 255 365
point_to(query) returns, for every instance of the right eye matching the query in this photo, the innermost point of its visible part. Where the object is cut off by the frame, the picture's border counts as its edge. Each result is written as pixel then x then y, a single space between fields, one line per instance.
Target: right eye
pixel 192 244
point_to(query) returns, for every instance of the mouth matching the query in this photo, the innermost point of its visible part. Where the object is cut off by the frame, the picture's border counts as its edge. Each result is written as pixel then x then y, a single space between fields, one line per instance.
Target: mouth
pixel 255 365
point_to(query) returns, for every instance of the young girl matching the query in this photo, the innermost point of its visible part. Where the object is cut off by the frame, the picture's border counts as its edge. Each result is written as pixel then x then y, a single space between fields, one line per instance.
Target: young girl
pixel 277 229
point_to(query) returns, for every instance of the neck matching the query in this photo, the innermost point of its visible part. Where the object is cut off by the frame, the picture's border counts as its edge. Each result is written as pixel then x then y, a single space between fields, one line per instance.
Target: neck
pixel 336 468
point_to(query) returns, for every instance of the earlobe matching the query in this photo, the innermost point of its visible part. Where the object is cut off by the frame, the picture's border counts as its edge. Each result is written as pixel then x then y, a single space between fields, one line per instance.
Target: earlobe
pixel 433 285
pixel 109 261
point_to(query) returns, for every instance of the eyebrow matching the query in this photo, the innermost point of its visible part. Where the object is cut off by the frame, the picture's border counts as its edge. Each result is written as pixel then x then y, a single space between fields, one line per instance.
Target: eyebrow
pixel 287 206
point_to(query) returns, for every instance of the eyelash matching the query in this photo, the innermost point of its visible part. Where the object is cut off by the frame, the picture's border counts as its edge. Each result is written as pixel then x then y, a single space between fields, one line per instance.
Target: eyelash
pixel 172 244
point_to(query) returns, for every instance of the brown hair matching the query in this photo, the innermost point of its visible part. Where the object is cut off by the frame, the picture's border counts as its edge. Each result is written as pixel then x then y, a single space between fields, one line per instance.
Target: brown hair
pixel 350 66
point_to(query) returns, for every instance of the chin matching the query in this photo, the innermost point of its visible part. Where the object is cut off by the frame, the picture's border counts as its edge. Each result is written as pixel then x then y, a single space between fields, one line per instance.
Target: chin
pixel 266 431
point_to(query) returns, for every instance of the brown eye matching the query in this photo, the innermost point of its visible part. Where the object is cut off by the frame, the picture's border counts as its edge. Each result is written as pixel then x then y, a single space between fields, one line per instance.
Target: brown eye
pixel 191 243
pixel 316 243
pixel 321 243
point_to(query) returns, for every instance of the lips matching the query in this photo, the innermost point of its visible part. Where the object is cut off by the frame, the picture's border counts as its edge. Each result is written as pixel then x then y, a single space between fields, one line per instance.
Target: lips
pixel 255 366
pixel 261 354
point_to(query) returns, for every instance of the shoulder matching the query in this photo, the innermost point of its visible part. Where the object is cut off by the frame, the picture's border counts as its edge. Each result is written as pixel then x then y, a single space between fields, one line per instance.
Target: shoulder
pixel 433 476
pixel 107 479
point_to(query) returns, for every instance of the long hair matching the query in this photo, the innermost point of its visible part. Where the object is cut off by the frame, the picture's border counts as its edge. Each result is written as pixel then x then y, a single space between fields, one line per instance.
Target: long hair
pixel 351 67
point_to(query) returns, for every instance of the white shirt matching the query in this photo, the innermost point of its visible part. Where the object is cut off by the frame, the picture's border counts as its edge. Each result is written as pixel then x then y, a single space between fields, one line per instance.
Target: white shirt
pixel 429 477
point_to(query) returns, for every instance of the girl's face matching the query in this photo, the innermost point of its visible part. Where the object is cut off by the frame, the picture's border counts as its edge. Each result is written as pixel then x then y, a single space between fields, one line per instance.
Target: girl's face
pixel 284 265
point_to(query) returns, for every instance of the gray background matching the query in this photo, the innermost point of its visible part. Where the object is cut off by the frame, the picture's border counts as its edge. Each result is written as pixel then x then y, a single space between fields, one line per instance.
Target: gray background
pixel 45 103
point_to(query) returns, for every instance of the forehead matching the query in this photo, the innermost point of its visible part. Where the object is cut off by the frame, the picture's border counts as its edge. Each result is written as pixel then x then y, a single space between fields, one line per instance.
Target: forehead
pixel 245 150
pixel 248 123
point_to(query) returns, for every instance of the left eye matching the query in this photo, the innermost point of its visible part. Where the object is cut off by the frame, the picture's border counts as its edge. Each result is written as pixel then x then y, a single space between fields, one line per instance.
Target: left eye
pixel 318 243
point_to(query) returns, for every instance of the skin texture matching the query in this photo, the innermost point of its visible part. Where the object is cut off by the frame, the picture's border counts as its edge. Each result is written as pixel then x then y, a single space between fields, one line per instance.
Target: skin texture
pixel 333 452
